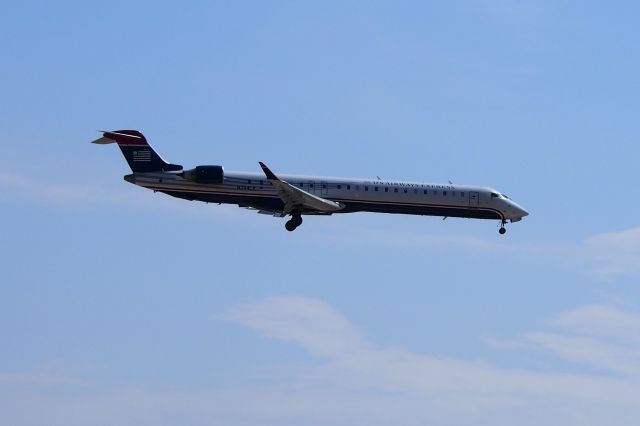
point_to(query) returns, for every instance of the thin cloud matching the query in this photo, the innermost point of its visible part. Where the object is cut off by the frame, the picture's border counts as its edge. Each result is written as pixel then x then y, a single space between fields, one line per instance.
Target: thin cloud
pixel 354 381
pixel 310 323
pixel 50 191
pixel 603 256
pixel 400 370
pixel 602 321
pixel 614 254
pixel 38 379
pixel 589 351
pixel 80 194
pixel 599 336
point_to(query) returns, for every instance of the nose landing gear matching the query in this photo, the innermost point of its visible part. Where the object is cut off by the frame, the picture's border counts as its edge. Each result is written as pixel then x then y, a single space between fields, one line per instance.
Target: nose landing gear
pixel 502 229
pixel 293 223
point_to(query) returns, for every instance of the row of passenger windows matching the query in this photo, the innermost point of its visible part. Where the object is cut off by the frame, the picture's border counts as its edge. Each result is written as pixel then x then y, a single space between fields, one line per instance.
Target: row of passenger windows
pixel 386 189
pixel 375 188
pixel 406 190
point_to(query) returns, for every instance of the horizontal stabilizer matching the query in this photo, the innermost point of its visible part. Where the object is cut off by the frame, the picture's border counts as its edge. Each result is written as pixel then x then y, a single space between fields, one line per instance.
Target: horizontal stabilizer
pixel 103 141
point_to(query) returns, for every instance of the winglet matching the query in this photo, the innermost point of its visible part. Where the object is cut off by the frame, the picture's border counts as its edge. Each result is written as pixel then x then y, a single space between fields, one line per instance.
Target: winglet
pixel 268 173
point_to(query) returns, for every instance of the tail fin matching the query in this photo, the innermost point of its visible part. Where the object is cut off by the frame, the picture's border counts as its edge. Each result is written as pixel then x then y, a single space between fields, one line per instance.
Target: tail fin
pixel 138 153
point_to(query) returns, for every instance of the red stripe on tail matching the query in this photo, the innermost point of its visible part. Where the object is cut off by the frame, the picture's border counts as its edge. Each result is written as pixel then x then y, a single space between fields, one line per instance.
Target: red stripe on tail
pixel 127 137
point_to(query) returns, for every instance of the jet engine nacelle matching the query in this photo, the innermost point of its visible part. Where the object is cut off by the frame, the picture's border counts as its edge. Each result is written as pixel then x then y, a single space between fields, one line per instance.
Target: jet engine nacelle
pixel 205 174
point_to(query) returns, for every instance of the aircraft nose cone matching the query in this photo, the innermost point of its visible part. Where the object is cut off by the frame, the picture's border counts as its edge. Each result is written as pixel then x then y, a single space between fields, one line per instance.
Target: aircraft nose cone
pixel 517 211
pixel 520 211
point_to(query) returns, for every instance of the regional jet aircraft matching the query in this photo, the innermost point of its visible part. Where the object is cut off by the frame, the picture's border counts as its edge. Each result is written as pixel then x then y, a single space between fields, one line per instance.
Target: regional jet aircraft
pixel 287 195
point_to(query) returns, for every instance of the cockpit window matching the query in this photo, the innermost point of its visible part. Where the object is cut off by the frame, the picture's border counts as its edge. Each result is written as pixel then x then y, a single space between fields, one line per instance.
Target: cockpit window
pixel 495 195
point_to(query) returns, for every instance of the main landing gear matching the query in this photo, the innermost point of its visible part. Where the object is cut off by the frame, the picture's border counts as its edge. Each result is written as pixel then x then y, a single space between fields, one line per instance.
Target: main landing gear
pixel 502 229
pixel 293 223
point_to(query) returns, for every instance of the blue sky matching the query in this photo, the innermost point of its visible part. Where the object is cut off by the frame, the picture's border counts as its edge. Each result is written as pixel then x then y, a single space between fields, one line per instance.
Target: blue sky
pixel 120 306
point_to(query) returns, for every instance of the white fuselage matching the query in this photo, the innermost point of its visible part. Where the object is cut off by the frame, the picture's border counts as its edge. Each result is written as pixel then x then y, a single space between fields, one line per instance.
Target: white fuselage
pixel 383 196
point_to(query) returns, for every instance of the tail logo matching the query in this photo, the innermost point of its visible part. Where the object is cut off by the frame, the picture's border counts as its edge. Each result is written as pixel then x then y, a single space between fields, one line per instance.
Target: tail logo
pixel 142 156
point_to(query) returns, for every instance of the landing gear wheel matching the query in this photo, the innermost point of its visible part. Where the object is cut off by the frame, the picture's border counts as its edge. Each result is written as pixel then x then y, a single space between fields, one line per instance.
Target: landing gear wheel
pixel 293 223
pixel 502 229
pixel 290 226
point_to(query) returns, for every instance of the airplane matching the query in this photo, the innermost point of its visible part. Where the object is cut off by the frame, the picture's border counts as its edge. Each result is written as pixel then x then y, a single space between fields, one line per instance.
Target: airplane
pixel 289 195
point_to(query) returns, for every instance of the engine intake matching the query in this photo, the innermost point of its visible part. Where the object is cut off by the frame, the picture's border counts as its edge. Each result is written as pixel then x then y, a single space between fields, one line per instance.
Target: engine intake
pixel 205 174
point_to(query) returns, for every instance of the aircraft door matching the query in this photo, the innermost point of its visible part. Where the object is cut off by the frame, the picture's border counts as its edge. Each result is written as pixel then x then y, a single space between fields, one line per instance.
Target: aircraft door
pixel 474 199
pixel 323 188
pixel 317 188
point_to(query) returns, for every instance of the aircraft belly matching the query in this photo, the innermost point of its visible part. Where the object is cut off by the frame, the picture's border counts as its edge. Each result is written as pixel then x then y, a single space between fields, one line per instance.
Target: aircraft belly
pixel 259 202
pixel 423 210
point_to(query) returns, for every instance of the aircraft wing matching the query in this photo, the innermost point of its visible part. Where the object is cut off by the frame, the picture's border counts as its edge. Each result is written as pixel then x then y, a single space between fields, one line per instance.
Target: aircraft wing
pixel 295 198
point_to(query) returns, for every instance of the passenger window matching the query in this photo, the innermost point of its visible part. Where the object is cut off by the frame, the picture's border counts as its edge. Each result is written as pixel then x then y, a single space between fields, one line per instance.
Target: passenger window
pixel 310 185
pixel 462 194
pixel 366 188
pixel 324 185
pixel 339 186
pixel 375 188
pixel 386 189
pixel 405 191
pixel 357 187
pixel 415 191
pixel 395 189
pixel 348 187
pixel 425 192
pixel 444 193
pixel 249 181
